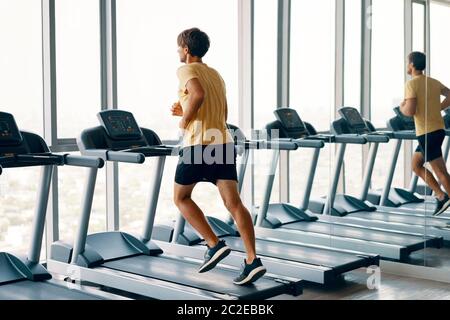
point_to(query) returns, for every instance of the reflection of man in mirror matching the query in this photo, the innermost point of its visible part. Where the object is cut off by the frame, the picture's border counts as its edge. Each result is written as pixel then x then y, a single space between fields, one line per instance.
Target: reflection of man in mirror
pixel 423 102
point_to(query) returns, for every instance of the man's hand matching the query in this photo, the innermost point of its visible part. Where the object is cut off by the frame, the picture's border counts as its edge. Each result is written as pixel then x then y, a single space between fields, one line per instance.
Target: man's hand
pixel 177 109
pixel 182 124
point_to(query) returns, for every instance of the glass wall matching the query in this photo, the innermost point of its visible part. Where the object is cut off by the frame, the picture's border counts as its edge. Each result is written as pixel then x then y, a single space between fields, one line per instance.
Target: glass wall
pixel 77 65
pixel 352 89
pixel 387 82
pixel 312 86
pixel 21 95
pixel 265 89
pixel 147 85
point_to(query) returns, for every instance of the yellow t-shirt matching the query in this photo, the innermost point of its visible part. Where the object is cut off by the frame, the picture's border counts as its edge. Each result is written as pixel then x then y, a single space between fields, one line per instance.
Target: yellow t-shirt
pixel 209 124
pixel 427 91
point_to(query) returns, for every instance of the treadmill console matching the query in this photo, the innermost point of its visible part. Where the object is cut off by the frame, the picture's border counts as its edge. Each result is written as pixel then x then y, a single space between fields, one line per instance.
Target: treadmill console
pixel 354 120
pixel 9 132
pixel 408 122
pixel 291 122
pixel 120 125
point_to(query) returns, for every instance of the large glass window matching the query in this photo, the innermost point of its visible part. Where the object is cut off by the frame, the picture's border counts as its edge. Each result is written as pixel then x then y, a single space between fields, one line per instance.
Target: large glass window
pixel 71 186
pixel 352 50
pixel 147 61
pixel 387 82
pixel 78 65
pixel 265 88
pixel 418 27
pixel 312 85
pixel 265 62
pixel 21 95
pixel 352 89
pixel 439 62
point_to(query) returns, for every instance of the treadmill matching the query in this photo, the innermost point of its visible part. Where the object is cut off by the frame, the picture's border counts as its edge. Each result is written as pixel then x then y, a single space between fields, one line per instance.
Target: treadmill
pixel 136 264
pixel 404 200
pixel 290 222
pixel 24 278
pixel 318 263
pixel 389 218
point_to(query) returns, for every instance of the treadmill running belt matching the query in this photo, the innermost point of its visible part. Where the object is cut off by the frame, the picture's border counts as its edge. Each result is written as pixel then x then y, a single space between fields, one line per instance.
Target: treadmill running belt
pixel 357 233
pixel 338 261
pixel 186 273
pixel 30 290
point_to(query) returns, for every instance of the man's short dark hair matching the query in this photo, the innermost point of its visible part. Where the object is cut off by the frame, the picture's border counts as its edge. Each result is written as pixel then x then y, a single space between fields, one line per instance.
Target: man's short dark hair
pixel 418 59
pixel 195 40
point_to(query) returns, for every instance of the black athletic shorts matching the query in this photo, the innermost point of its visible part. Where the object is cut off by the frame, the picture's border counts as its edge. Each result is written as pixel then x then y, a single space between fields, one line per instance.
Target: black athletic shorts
pixel 207 163
pixel 430 145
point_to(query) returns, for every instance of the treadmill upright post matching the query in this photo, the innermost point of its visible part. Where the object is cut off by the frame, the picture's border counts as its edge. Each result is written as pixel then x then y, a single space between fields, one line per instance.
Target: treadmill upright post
pixel 39 217
pixel 241 175
pixel 337 172
pixel 154 195
pixel 388 183
pixel 369 170
pixel 312 172
pixel 88 196
pixel 262 214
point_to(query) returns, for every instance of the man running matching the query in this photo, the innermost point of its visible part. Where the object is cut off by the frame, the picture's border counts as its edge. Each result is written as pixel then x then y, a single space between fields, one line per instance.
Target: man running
pixel 208 153
pixel 423 101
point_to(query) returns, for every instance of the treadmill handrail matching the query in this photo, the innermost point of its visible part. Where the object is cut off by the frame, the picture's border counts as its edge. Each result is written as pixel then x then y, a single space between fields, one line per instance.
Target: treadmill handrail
pixel 377 138
pixel 153 151
pixel 117 156
pixel 404 135
pixel 83 161
pixel 350 139
pixel 280 144
pixel 40 159
pixel 310 143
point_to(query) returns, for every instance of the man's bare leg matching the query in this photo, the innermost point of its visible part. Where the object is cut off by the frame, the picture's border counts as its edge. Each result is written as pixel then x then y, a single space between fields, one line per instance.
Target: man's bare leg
pixel 192 213
pixel 418 167
pixel 229 192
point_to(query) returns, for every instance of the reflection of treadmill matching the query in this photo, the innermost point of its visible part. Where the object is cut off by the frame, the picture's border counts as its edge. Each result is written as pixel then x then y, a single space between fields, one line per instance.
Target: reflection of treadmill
pixel 316 263
pixel 352 122
pixel 290 222
pixel 402 199
pixel 24 277
pixel 119 260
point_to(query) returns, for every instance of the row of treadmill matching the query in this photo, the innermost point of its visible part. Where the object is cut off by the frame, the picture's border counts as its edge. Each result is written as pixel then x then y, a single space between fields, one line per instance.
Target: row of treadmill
pixel 314 240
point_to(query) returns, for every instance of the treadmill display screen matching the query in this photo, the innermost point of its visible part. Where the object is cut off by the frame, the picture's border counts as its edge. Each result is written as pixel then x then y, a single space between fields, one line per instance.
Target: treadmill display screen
pixel 9 132
pixel 289 118
pixel 354 119
pixel 120 124
pixel 291 121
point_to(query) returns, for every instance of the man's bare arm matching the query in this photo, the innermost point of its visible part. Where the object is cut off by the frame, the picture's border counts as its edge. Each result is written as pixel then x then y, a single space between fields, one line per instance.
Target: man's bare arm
pixel 195 100
pixel 446 93
pixel 408 107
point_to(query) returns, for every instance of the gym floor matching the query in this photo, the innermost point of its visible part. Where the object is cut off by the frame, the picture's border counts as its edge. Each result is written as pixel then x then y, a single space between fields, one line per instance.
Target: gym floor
pixel 392 287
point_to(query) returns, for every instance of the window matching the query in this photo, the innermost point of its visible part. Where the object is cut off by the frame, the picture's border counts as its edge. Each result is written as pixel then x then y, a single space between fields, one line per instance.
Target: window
pixel 439 61
pixel 265 89
pixel 388 59
pixel 265 62
pixel 352 49
pixel 312 53
pixel 418 27
pixel 71 186
pixel 77 65
pixel 21 95
pixel 352 90
pixel 387 83
pixel 147 83
pixel 147 86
